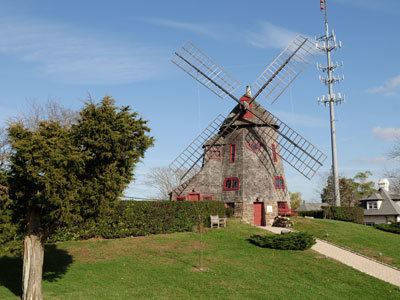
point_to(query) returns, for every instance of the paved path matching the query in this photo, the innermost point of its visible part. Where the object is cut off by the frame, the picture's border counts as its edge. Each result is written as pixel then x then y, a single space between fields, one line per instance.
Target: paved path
pixel 353 260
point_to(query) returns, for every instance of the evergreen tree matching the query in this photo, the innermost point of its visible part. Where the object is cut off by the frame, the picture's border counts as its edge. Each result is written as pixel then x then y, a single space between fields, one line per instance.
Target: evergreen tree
pixel 44 188
pixel 60 175
pixel 113 141
pixel 8 230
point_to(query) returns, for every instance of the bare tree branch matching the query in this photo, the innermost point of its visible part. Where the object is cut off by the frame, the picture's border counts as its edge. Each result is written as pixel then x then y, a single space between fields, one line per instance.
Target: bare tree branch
pixel 164 180
pixel 49 111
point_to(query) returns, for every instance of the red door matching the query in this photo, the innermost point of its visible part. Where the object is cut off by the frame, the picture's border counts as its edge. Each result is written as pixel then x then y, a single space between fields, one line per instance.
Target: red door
pixel 258 210
pixel 194 197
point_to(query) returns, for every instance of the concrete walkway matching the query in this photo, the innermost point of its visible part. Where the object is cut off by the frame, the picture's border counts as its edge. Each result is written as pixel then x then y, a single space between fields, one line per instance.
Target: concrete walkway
pixel 353 260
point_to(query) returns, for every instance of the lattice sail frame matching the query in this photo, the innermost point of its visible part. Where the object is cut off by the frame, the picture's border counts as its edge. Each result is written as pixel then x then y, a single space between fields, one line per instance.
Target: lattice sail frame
pixel 285 68
pixel 293 148
pixel 192 60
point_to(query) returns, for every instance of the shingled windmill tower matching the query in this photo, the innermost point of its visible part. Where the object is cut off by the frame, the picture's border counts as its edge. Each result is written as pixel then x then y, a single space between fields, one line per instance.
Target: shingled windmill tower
pixel 238 159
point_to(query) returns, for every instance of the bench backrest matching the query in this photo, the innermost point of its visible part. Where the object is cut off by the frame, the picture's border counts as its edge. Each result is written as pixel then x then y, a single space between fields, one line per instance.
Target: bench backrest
pixel 214 218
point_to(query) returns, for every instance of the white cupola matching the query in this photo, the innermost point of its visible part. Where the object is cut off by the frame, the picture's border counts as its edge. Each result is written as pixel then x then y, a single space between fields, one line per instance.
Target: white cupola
pixel 384 184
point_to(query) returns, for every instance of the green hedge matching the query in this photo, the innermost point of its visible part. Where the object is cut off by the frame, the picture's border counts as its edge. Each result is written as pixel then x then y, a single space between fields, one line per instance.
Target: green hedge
pixel 393 228
pixel 317 214
pixel 139 218
pixel 288 241
pixel 347 214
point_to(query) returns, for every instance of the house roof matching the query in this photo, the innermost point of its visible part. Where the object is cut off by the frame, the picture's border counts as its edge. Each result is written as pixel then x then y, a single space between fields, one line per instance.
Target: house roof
pixel 310 206
pixel 377 196
pixel 388 206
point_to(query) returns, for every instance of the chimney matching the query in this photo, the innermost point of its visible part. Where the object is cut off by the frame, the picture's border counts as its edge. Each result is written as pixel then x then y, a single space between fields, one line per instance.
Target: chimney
pixel 384 184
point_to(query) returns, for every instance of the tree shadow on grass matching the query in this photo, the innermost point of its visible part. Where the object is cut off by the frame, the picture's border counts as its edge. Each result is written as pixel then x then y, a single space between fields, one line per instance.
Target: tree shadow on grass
pixel 56 263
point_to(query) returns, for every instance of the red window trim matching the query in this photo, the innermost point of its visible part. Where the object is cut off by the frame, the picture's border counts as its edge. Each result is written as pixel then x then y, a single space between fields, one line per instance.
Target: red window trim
pixel 253 146
pixel 281 184
pixel 232 153
pixel 208 197
pixel 232 179
pixel 274 153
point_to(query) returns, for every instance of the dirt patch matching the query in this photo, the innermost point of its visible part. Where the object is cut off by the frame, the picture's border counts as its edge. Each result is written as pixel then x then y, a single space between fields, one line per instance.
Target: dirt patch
pixel 377 256
pixel 94 250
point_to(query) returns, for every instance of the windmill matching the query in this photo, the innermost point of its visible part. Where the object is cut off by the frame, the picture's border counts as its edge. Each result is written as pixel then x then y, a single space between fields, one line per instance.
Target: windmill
pixel 238 159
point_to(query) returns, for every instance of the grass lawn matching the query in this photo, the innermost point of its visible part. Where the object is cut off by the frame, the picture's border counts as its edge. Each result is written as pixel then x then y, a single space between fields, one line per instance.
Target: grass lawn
pixel 165 266
pixel 378 244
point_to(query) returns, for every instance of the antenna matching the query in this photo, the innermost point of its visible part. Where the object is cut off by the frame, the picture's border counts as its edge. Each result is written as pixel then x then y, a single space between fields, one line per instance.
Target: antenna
pixel 327 43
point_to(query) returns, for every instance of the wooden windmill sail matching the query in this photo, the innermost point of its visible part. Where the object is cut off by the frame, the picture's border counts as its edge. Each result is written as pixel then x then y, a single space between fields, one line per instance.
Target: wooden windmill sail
pixel 238 158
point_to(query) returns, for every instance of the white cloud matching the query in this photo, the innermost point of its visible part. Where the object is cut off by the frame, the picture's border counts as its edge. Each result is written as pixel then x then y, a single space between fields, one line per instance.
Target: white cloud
pixel 387 134
pixel 267 35
pixel 388 88
pixel 271 36
pixel 60 52
pixel 205 29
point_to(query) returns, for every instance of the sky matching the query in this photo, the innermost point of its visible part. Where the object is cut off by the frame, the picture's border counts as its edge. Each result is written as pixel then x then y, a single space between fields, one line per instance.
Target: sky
pixel 67 50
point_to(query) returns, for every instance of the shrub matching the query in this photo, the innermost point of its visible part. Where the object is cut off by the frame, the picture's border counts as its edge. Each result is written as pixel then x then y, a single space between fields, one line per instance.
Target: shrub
pixel 282 222
pixel 139 218
pixel 393 228
pixel 317 214
pixel 347 214
pixel 288 241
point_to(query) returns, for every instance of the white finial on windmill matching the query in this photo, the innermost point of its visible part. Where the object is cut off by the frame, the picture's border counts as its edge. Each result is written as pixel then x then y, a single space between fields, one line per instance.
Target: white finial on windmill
pixel 248 91
pixel 384 184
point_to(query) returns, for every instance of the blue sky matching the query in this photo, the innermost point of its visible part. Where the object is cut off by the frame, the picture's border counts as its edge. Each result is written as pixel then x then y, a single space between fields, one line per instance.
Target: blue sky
pixel 65 50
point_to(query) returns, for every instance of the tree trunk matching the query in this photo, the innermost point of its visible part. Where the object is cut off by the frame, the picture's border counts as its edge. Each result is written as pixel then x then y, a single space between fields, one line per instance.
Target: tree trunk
pixel 33 259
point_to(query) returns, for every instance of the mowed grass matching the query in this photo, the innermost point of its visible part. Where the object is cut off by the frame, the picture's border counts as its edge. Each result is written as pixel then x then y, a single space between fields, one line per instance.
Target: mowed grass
pixel 378 244
pixel 166 267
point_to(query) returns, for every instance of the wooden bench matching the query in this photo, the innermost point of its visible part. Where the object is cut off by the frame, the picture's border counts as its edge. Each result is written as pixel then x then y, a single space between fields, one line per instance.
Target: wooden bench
pixel 216 221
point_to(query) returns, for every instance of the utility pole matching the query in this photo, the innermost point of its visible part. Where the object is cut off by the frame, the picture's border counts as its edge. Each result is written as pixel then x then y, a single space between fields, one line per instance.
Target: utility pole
pixel 327 43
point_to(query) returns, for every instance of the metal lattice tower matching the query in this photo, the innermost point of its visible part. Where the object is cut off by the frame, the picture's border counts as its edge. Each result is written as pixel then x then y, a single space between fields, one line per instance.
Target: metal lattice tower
pixel 327 43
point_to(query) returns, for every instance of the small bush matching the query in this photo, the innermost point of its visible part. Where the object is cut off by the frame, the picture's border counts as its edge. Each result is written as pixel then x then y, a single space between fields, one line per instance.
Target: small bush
pixel 347 214
pixel 282 222
pixel 317 214
pixel 288 241
pixel 393 228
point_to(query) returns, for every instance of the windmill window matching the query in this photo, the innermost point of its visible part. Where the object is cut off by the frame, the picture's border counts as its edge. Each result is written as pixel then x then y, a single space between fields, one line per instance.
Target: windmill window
pixel 214 153
pixel 232 153
pixel 254 146
pixel 279 183
pixel 274 153
pixel 231 184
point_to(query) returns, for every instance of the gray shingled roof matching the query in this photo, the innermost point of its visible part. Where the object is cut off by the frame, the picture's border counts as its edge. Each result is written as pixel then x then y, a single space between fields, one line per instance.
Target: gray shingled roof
pixel 388 206
pixel 310 206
